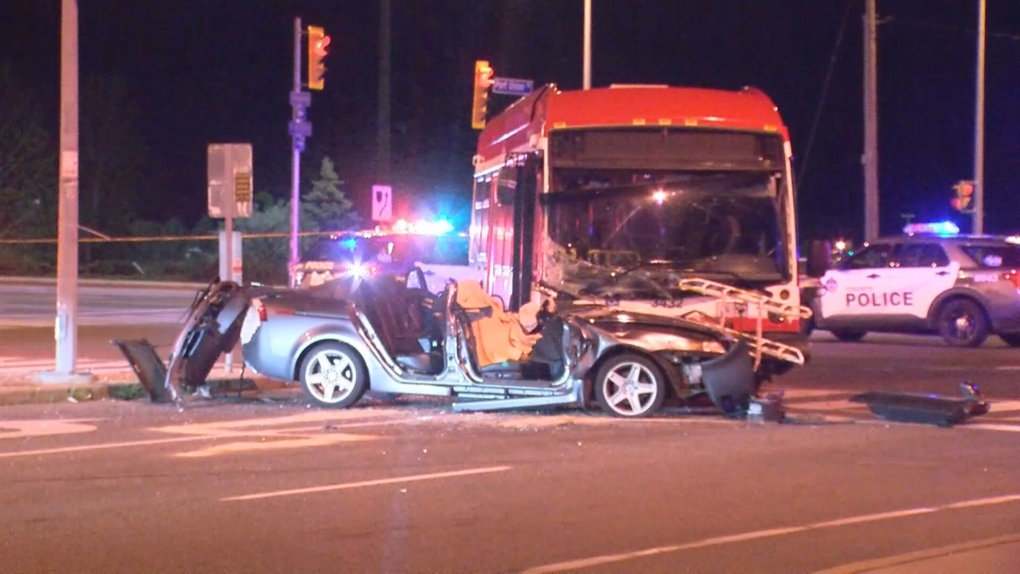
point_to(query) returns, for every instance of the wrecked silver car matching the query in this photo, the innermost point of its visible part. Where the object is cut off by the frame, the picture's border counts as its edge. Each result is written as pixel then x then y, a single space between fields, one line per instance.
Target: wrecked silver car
pixel 392 336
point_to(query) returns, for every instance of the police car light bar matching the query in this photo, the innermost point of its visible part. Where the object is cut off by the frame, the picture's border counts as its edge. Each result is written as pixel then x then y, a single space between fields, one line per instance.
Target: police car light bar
pixel 942 228
pixel 422 227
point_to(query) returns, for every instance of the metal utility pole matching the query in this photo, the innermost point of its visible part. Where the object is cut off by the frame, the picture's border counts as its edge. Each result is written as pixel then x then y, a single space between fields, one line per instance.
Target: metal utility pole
pixel 587 44
pixel 66 324
pixel 979 125
pixel 870 156
pixel 299 130
pixel 383 159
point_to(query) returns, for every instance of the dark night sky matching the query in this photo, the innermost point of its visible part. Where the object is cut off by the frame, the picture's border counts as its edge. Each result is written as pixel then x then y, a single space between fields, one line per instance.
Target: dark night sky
pixel 220 70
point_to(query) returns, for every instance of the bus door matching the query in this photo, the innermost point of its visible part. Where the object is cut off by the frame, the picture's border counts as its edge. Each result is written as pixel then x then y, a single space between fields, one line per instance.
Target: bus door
pixel 501 235
pixel 524 231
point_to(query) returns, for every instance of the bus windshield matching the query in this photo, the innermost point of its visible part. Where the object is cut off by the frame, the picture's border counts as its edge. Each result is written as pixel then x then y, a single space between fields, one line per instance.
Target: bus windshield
pixel 606 232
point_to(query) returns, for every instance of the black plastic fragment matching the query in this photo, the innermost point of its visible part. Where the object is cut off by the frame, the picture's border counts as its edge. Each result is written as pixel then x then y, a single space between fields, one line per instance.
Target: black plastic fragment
pixel 148 367
pixel 938 410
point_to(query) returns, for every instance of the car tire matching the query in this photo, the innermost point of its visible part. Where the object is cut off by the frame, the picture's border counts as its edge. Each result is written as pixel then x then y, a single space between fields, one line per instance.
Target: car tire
pixel 1011 339
pixel 962 323
pixel 630 385
pixel 333 375
pixel 849 335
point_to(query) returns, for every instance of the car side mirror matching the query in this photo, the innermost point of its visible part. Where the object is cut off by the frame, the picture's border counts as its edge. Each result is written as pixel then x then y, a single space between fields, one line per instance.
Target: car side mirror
pixel 819 258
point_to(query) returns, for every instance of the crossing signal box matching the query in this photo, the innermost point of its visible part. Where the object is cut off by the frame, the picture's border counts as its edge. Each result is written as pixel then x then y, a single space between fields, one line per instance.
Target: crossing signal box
pixel 480 99
pixel 964 192
pixel 318 49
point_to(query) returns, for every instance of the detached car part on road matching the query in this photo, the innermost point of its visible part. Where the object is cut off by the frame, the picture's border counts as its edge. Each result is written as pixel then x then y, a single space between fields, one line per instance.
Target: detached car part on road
pixel 390 335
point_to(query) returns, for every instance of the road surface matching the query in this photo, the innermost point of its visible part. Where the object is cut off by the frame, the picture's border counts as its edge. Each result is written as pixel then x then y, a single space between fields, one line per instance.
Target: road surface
pixel 407 486
pixel 273 487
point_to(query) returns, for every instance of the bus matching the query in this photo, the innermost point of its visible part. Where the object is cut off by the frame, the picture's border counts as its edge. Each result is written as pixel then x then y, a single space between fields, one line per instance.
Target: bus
pixel 672 201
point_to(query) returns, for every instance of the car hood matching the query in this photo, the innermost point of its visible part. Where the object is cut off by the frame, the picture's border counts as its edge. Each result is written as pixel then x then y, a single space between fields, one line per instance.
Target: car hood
pixel 612 319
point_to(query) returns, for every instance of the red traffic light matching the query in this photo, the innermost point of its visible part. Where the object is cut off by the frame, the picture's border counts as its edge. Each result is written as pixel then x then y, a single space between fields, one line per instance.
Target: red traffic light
pixel 318 49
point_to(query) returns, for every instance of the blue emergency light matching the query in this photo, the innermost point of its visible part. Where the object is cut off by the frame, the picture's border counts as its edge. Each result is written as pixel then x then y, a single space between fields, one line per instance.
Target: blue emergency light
pixel 940 228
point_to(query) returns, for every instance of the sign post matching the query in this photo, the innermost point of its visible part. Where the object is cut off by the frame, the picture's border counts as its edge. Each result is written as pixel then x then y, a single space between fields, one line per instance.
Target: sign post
pixel 230 195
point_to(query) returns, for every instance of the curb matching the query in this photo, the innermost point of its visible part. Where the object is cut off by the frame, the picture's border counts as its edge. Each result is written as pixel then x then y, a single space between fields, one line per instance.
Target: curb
pixel 118 386
pixel 106 283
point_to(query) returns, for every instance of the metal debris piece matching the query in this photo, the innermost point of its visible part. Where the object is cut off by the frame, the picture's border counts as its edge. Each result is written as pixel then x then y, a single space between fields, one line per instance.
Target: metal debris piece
pixel 933 409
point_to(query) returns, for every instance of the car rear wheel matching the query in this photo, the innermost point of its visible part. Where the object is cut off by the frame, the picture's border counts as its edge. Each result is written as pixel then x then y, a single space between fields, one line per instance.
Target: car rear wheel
pixel 333 375
pixel 1011 339
pixel 848 335
pixel 962 323
pixel 630 385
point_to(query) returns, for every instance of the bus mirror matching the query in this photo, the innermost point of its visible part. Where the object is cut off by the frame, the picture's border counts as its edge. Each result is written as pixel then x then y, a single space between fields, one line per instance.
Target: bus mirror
pixel 819 258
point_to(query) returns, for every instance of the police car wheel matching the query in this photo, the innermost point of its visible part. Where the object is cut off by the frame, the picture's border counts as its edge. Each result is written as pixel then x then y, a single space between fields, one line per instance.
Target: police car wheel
pixel 1011 339
pixel 962 323
pixel 848 335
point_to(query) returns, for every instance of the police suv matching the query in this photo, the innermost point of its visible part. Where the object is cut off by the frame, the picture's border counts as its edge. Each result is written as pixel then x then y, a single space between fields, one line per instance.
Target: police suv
pixel 963 288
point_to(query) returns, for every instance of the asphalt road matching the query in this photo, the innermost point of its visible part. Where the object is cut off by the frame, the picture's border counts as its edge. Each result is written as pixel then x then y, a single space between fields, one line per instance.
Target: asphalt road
pixel 33 305
pixel 276 487
pixel 243 486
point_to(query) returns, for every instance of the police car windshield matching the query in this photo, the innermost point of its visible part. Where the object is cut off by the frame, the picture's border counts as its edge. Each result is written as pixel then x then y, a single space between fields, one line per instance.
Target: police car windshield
pixel 717 225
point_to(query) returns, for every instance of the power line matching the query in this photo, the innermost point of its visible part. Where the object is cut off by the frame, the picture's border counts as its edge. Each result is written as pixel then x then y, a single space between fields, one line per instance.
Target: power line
pixel 951 28
pixel 825 90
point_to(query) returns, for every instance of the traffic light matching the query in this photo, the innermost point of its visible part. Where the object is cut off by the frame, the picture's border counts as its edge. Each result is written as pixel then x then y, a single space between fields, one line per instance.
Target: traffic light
pixel 318 44
pixel 483 79
pixel 964 191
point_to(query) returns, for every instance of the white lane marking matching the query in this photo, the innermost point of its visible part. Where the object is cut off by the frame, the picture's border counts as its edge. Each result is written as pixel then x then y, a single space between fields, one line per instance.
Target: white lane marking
pixel 264 434
pixel 759 534
pixel 1008 368
pixel 364 483
pixel 913 557
pixel 322 440
pixel 991 427
pixel 46 427
pixel 104 446
pixel 1004 406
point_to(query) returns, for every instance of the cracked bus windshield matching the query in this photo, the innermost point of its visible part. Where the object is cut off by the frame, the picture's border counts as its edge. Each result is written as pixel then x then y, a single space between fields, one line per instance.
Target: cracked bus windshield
pixel 610 237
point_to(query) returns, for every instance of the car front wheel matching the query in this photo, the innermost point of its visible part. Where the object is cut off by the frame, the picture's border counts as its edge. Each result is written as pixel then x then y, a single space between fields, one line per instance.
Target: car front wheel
pixel 962 323
pixel 630 385
pixel 333 375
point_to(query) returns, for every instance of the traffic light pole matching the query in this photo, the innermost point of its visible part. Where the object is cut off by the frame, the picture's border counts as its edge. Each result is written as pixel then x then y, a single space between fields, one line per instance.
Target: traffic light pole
pixel 979 126
pixel 295 177
pixel 870 157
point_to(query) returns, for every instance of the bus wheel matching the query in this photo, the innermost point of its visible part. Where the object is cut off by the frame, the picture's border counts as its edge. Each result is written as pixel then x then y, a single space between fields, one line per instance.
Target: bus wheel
pixel 630 385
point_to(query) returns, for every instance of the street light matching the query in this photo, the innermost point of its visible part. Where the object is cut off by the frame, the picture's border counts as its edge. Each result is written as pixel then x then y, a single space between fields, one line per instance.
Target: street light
pixel 587 44
pixel 979 125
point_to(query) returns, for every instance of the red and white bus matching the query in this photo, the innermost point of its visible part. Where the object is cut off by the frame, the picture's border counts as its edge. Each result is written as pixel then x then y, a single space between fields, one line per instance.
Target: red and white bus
pixel 672 201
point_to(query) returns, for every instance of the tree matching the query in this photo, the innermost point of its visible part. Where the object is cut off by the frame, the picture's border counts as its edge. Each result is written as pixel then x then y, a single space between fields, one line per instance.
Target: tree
pixel 113 155
pixel 326 207
pixel 28 163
